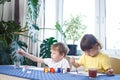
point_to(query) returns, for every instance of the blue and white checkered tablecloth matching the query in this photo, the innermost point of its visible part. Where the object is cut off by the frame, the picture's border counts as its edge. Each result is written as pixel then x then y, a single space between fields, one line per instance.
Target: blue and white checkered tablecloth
pixel 41 75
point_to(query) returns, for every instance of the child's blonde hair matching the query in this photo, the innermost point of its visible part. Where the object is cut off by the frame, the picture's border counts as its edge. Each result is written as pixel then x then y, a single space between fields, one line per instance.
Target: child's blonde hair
pixel 62 48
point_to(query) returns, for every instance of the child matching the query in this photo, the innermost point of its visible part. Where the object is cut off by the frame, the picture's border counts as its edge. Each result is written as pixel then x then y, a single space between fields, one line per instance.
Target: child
pixel 58 52
pixel 92 57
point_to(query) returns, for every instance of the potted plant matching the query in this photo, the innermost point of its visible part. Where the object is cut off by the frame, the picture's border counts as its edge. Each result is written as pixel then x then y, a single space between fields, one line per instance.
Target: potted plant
pixel 45 48
pixel 72 30
pixel 10 31
pixel 9 34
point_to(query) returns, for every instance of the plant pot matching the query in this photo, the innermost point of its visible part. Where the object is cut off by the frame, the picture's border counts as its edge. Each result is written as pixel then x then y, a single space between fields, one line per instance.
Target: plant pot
pixel 73 49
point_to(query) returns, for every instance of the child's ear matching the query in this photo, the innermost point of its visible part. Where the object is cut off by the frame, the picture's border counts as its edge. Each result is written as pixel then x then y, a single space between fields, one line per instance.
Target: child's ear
pixel 63 54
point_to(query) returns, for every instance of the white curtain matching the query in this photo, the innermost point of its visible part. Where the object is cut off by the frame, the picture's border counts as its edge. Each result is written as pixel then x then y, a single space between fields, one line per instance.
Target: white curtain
pixel 7 11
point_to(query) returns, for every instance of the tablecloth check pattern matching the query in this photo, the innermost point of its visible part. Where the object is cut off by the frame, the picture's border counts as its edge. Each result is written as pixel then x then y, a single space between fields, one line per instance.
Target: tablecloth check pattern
pixel 41 75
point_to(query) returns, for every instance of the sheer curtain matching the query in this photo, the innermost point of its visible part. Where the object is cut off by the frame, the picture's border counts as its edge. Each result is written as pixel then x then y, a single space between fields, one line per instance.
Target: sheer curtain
pixel 7 12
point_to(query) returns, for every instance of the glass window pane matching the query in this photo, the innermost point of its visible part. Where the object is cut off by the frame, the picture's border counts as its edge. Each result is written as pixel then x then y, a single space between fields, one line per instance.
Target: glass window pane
pixel 49 33
pixel 50 13
pixel 84 7
pixel 48 19
pixel 112 24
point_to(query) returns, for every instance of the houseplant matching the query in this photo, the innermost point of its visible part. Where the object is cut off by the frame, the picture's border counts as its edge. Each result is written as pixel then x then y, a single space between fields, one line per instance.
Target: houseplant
pixel 10 31
pixel 72 30
pixel 33 9
pixel 45 48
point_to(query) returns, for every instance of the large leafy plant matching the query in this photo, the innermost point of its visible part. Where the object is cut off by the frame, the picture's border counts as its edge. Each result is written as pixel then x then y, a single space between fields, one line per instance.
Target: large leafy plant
pixel 45 47
pixel 15 45
pixel 10 31
pixel 72 29
pixel 33 9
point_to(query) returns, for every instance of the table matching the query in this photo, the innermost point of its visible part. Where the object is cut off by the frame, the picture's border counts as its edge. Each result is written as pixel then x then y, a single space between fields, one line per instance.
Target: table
pixel 39 74
pixel 6 77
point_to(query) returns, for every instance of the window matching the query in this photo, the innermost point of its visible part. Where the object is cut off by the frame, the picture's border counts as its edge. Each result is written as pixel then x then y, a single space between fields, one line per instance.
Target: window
pixel 109 26
pixel 84 7
pixel 112 24
pixel 48 12
pixel 102 19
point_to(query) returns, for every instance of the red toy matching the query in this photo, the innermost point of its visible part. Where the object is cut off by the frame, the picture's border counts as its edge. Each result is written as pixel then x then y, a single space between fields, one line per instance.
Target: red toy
pixel 52 70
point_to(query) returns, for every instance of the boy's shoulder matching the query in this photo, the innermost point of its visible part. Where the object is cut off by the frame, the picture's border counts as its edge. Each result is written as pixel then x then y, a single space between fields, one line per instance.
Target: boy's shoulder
pixel 64 59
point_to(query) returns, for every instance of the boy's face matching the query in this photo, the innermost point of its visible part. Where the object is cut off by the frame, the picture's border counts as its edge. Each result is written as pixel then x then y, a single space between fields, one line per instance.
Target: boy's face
pixel 56 56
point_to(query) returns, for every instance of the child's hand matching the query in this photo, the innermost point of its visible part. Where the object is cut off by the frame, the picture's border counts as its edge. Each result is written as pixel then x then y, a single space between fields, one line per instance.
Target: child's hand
pixel 20 51
pixel 72 60
pixel 109 72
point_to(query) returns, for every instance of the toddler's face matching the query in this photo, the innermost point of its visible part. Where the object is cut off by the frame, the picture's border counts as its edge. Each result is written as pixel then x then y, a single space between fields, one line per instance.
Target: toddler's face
pixel 55 55
pixel 92 52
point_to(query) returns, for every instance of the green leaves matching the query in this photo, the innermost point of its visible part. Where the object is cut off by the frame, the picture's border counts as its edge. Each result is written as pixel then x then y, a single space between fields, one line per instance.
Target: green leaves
pixel 35 27
pixel 33 35
pixel 59 28
pixel 32 15
pixel 9 35
pixel 33 9
pixel 45 47
pixel 8 30
pixel 74 28
pixel 15 45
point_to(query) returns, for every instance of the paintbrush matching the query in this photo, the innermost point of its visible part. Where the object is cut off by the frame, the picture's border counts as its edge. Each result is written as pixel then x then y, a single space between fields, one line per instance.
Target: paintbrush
pixel 76 70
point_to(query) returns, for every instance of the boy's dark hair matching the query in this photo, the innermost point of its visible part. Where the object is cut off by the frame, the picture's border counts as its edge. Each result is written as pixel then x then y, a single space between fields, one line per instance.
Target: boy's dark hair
pixel 88 42
pixel 61 48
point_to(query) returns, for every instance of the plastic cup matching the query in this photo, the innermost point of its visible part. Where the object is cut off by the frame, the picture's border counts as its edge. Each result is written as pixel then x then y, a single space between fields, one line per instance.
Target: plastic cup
pixel 17 64
pixel 92 73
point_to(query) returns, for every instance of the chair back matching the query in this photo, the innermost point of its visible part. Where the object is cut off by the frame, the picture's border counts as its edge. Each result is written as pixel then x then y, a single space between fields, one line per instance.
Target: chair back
pixel 115 63
pixel 68 59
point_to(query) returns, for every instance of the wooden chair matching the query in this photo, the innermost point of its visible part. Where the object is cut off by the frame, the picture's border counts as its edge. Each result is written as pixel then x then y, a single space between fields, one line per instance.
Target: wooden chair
pixel 68 58
pixel 115 63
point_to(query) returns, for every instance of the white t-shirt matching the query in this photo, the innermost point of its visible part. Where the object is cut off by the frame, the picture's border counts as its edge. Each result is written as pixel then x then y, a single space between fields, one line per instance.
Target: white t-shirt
pixel 52 64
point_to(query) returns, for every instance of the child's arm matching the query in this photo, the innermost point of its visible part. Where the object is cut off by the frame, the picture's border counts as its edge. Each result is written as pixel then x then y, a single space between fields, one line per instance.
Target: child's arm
pixel 72 60
pixel 32 57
